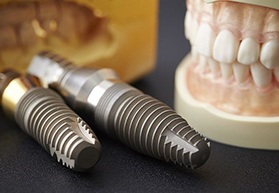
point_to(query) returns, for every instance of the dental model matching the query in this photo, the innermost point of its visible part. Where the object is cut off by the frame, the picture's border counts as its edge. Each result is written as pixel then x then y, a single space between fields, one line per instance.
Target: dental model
pixel 78 28
pixel 231 77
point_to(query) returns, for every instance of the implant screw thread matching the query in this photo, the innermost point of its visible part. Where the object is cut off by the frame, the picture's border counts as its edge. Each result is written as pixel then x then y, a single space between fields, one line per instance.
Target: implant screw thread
pixel 150 127
pixel 44 116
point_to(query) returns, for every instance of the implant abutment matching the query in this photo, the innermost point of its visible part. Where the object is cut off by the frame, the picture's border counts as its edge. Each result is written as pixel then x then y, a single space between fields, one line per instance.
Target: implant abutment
pixel 13 87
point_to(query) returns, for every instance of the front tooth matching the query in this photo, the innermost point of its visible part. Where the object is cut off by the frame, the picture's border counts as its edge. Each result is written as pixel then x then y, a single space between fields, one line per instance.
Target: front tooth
pixel 225 47
pixel 270 53
pixel 261 75
pixel 226 70
pixel 249 51
pixel 241 72
pixel 205 39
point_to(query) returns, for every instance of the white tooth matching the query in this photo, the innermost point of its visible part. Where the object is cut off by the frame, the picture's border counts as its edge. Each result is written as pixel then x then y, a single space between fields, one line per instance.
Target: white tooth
pixel 261 75
pixel 187 25
pixel 225 47
pixel 226 70
pixel 248 52
pixel 241 72
pixel 270 53
pixel 194 53
pixel 190 26
pixel 194 30
pixel 214 67
pixel 202 65
pixel 205 39
pixel 276 74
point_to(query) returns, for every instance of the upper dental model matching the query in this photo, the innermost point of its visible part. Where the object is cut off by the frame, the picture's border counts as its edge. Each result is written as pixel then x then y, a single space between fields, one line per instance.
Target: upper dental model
pixel 232 73
pixel 78 28
pixel 43 115
pixel 120 110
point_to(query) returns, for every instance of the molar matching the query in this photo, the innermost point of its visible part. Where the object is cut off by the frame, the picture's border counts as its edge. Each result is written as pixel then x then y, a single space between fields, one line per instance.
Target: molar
pixel 261 75
pixel 225 47
pixel 249 51
pixel 270 53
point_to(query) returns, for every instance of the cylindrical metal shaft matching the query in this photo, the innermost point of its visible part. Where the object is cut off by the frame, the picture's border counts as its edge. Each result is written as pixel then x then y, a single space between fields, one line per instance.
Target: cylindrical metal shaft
pixel 43 114
pixel 138 120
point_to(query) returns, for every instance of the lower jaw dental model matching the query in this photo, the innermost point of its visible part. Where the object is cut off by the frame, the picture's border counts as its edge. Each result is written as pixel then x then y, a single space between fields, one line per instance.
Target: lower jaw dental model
pixel 230 80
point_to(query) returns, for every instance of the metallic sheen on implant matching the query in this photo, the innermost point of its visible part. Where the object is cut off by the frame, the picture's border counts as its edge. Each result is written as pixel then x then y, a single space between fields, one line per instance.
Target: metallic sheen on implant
pixel 122 111
pixel 42 114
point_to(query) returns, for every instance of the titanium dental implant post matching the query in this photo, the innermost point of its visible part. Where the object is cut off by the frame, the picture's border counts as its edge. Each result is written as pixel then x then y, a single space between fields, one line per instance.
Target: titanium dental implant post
pixel 42 114
pixel 122 111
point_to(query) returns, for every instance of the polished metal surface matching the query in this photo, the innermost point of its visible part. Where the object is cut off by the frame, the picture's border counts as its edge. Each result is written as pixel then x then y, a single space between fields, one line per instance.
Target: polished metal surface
pixel 122 111
pixel 43 114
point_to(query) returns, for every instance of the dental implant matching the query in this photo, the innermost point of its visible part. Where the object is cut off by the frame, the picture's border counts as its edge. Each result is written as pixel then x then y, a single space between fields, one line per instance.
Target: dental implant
pixel 122 111
pixel 42 114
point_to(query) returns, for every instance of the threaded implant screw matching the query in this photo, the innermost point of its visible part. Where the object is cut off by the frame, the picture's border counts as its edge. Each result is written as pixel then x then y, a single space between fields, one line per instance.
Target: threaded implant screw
pixel 150 127
pixel 44 116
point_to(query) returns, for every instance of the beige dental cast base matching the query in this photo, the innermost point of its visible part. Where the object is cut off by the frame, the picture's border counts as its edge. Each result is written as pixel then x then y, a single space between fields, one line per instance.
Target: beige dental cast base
pixel 227 87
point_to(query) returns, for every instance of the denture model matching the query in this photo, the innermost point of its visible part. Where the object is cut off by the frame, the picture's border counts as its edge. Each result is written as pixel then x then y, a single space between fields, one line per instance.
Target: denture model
pixel 228 86
pixel 119 34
